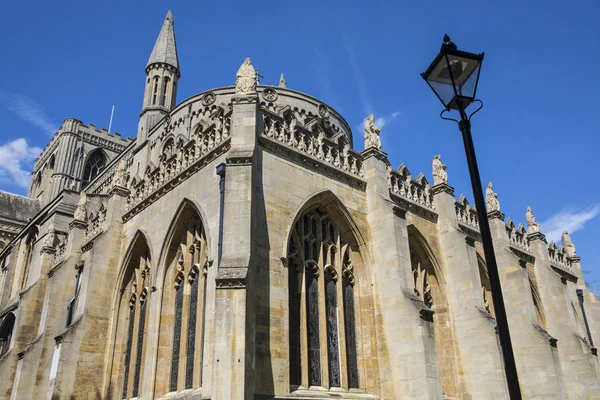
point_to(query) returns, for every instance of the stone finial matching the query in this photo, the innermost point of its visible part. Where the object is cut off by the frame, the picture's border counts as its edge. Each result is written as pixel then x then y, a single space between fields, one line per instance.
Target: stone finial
pixel 245 82
pixel 372 138
pixel 568 245
pixel 81 211
pixel 440 176
pixel 282 82
pixel 491 199
pixel 532 224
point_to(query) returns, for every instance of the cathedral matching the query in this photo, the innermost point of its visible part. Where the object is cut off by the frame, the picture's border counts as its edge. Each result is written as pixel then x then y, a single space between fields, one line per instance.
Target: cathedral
pixel 240 248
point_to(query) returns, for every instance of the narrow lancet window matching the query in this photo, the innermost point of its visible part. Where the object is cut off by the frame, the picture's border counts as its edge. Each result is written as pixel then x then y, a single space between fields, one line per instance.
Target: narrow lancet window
pixel 332 329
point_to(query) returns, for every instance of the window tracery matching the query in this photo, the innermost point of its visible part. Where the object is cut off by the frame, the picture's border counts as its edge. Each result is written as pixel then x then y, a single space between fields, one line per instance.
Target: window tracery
pixel 131 322
pixel 319 262
pixel 93 166
pixel 422 287
pixel 182 335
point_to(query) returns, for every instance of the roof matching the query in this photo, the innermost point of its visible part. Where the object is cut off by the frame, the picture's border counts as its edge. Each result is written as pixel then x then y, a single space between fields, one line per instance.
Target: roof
pixel 165 48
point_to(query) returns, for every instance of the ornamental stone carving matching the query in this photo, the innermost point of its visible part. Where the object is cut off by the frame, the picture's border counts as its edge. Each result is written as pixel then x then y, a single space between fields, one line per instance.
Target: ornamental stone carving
pixel 532 224
pixel 568 245
pixel 81 211
pixel 245 82
pixel 208 99
pixel 372 133
pixel 282 81
pixel 491 199
pixel 440 176
pixel 269 95
pixel 323 110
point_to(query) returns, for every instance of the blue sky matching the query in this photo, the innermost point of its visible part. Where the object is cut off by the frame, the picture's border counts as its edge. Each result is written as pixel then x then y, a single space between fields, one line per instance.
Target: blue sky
pixel 536 138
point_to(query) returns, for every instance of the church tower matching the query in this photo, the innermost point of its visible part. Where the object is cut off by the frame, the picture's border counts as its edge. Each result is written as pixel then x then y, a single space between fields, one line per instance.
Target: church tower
pixel 162 75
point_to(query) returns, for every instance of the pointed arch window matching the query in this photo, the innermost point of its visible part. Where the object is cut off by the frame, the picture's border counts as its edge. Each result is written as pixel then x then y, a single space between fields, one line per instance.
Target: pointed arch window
pixel 183 307
pixel 155 82
pixel 29 245
pixel 93 166
pixel 318 256
pixel 6 331
pixel 164 100
pixel 130 339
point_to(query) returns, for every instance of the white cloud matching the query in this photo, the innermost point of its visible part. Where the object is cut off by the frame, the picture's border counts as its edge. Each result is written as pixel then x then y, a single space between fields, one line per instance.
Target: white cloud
pixel 570 221
pixel 29 110
pixel 13 156
pixel 381 121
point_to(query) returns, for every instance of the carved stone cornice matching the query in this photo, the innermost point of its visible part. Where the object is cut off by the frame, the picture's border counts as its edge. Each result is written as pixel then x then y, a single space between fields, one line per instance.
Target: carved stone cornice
pixel 118 190
pixel 442 188
pixel 245 99
pixel 566 275
pixel 48 250
pixel 575 259
pixel 78 224
pixel 239 157
pixel 374 152
pixel 232 278
pixel 496 215
pixel 537 236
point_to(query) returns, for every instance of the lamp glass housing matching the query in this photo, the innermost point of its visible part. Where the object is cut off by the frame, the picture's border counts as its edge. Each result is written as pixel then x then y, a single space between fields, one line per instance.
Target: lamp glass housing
pixel 453 76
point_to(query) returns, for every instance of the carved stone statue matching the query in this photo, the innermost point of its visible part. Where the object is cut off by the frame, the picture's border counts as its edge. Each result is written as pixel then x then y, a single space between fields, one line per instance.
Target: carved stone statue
pixel 81 211
pixel 439 171
pixel 49 238
pixel 120 171
pixel 372 138
pixel 491 199
pixel 532 224
pixel 568 244
pixel 245 82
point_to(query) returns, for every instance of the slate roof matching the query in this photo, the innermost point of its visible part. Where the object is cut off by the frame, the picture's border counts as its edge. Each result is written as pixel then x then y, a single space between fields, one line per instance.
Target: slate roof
pixel 165 48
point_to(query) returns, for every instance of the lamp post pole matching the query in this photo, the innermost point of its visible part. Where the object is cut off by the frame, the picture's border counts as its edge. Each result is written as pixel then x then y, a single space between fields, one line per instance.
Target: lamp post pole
pixel 510 367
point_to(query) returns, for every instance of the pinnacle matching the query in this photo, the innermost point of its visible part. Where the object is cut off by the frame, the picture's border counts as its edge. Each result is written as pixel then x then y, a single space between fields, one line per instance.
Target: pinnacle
pixel 282 82
pixel 165 48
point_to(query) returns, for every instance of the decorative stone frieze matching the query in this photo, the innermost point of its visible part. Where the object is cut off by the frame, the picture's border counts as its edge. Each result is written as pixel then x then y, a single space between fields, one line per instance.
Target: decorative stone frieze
pixel 313 137
pixel 416 191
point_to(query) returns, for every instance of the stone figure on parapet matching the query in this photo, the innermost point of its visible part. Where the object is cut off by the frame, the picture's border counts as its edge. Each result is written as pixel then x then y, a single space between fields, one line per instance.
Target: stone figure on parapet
pixel 439 171
pixel 119 177
pixel 372 138
pixel 491 199
pixel 49 239
pixel 568 245
pixel 245 82
pixel 81 211
pixel 532 224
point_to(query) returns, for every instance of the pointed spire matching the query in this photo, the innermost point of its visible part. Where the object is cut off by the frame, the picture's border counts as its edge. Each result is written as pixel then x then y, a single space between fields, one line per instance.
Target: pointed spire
pixel 165 48
pixel 282 82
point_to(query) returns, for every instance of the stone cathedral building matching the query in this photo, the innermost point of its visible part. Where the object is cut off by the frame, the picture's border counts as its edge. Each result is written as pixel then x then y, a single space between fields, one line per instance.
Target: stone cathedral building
pixel 240 248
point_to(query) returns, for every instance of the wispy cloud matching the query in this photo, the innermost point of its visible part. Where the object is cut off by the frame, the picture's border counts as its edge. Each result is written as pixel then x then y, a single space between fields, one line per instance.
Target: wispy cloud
pixel 326 88
pixel 358 75
pixel 13 157
pixel 568 220
pixel 28 110
pixel 380 121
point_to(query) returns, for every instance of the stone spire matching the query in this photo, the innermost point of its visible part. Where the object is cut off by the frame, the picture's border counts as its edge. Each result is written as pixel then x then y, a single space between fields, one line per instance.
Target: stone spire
pixel 165 48
pixel 282 82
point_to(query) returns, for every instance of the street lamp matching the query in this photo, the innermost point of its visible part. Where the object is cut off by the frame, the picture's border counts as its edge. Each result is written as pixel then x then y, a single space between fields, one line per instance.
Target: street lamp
pixel 453 76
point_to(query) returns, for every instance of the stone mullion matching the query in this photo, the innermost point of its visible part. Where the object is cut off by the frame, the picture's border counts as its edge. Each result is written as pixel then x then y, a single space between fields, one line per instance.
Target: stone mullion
pixel 129 329
pixel 200 314
pixel 187 263
pixel 339 259
pixel 303 326
pixel 133 351
pixel 322 309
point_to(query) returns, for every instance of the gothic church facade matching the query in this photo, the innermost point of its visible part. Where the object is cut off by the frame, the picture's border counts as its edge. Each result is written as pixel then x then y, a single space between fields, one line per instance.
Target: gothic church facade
pixel 240 248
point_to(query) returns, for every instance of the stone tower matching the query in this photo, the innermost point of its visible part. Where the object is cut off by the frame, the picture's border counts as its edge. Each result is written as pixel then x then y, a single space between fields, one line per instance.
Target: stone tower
pixel 162 75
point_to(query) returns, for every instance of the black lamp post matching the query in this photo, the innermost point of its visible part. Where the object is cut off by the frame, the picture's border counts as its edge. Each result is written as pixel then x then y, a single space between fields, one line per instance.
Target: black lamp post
pixel 453 76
